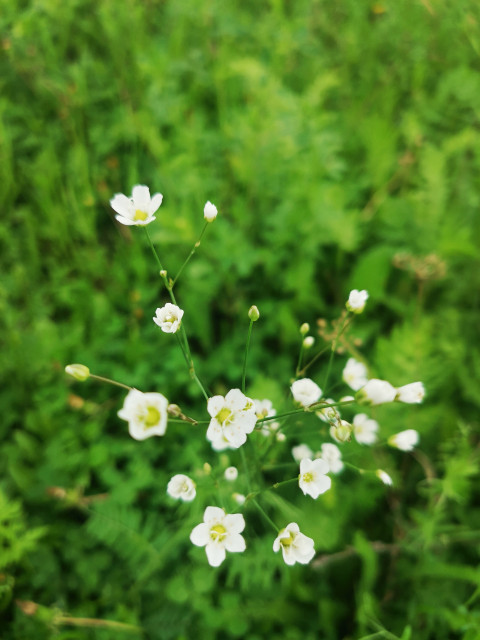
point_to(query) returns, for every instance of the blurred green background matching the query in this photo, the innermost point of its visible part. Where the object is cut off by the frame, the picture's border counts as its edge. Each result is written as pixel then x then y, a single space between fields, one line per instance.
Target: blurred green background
pixel 340 142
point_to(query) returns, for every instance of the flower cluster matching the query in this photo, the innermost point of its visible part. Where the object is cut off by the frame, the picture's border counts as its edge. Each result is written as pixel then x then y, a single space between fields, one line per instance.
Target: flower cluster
pixel 235 418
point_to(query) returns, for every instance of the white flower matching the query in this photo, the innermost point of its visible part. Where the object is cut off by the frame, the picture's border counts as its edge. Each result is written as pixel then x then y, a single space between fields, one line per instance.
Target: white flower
pixel 384 477
pixel 219 532
pixel 332 456
pixel 329 414
pixel 233 417
pixel 168 318
pixel 356 300
pixel 365 429
pixel 281 437
pixel 296 547
pixel 306 391
pixel 301 451
pixel 313 477
pixel 341 431
pixel 239 498
pixel 376 392
pixel 137 210
pixel 405 440
pixel 412 393
pixel 355 374
pixel 308 342
pixel 210 212
pixel 181 487
pixel 231 474
pixel 146 414
pixel 264 409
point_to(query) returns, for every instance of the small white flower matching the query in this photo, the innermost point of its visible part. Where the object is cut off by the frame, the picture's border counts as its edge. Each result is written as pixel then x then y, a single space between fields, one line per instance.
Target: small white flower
pixel 233 417
pixel 308 342
pixel 306 391
pixel 264 409
pixel 219 532
pixel 329 414
pixel 168 318
pixel 405 440
pixel 231 474
pixel 181 487
pixel 332 456
pixel 281 437
pixel 341 431
pixel 356 301
pixel 210 212
pixel 137 210
pixel 301 451
pixel 313 479
pixel 376 392
pixel 239 498
pixel 296 547
pixel 384 477
pixel 412 393
pixel 365 429
pixel 355 374
pixel 146 414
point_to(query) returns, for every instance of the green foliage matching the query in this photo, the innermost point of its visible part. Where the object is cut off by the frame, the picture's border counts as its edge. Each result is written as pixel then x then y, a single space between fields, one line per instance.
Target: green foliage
pixel 340 143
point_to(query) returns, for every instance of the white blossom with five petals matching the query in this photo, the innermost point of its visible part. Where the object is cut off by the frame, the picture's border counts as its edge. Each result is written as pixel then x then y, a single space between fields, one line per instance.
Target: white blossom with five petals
pixel 355 374
pixel 313 479
pixel 168 318
pixel 332 456
pixel 146 414
pixel 181 487
pixel 218 533
pixel 295 546
pixel 233 417
pixel 306 391
pixel 139 209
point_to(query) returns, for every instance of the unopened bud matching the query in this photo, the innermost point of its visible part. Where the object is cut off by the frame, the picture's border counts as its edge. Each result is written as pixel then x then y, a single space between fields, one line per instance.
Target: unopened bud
pixel 207 468
pixel 342 431
pixel 163 273
pixel 210 212
pixel 305 328
pixel 78 371
pixel 308 342
pixel 174 410
pixel 253 313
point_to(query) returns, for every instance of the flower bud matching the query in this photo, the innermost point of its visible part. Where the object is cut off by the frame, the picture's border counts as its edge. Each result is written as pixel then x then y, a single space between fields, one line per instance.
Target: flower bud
pixel 163 273
pixel 78 371
pixel 207 468
pixel 384 477
pixel 231 474
pixel 174 410
pixel 305 328
pixel 308 342
pixel 341 431
pixel 210 212
pixel 253 313
pixel 357 300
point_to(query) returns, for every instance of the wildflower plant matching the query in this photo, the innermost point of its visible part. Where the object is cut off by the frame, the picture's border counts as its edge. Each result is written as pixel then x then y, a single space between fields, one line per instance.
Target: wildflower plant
pixel 253 449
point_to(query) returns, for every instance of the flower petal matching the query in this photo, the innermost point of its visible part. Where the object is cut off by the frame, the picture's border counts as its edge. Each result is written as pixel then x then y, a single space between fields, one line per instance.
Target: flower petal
pixel 213 515
pixel 141 197
pixel 235 400
pixel 215 554
pixel 234 523
pixel 155 203
pixel 200 535
pixel 235 542
pixel 215 405
pixel 122 205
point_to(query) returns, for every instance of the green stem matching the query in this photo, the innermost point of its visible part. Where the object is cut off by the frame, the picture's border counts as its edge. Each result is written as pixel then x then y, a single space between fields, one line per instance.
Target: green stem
pixel 245 468
pixel 195 246
pixel 163 273
pixel 300 356
pixel 117 384
pixel 309 364
pixel 273 467
pixel 280 415
pixel 267 518
pixel 247 346
pixel 344 326
pixel 280 484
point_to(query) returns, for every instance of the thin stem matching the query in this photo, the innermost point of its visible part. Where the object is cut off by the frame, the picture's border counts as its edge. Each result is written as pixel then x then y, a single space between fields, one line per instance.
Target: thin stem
pixel 280 415
pixel 163 273
pixel 195 246
pixel 267 518
pixel 344 326
pixel 272 467
pixel 114 382
pixel 245 467
pixel 94 622
pixel 280 484
pixel 300 357
pixel 247 346
pixel 314 359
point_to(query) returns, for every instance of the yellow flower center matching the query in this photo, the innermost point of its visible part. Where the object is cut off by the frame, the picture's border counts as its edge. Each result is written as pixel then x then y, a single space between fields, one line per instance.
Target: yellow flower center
pixel 170 318
pixel 288 539
pixel 224 416
pixel 218 533
pixel 140 215
pixel 152 418
pixel 307 477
